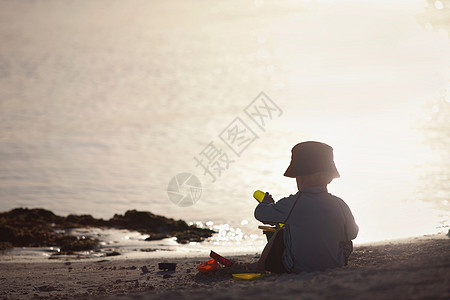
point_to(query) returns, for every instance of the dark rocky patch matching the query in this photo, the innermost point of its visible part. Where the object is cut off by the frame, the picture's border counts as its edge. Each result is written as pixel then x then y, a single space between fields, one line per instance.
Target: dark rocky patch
pixel 159 227
pixel 22 227
pixel 5 246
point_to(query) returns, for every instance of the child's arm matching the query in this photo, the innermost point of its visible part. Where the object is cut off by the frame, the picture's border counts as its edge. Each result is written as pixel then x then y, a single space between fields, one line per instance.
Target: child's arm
pixel 274 213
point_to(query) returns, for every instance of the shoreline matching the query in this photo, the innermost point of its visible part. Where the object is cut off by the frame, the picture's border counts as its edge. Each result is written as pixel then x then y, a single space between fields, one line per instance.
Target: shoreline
pixel 415 268
pixel 168 249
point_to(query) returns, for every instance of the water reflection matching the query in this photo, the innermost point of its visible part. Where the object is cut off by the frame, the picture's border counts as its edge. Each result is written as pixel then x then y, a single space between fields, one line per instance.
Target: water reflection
pixel 436 15
pixel 436 177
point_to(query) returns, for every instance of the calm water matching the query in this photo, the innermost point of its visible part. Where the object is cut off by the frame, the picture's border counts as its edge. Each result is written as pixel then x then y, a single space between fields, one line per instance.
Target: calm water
pixel 103 102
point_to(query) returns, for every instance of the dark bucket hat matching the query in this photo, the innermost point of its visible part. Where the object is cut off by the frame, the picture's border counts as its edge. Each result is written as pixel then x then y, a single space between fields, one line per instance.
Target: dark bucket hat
pixel 311 157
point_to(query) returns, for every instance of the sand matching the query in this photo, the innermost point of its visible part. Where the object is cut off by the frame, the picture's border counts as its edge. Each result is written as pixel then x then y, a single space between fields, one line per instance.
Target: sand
pixel 410 269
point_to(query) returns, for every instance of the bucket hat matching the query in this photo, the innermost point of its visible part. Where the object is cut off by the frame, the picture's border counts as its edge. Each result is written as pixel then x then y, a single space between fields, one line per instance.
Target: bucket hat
pixel 311 157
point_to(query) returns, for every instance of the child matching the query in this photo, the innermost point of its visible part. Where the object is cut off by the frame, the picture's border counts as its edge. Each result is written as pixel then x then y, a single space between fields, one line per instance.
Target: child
pixel 318 225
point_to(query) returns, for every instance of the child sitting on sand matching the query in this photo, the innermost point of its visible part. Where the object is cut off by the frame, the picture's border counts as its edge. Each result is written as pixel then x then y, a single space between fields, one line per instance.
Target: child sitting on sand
pixel 318 227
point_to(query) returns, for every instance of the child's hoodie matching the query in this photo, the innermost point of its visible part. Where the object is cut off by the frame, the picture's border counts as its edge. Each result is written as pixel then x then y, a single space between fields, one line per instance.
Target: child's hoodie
pixel 317 224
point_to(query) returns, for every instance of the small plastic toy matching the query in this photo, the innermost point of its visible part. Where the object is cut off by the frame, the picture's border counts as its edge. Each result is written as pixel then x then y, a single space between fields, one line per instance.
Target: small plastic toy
pixel 167 266
pixel 221 259
pixel 259 195
pixel 208 266
pixel 247 276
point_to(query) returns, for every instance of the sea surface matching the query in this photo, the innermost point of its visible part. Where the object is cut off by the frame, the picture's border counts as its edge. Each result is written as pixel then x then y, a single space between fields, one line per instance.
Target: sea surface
pixel 104 103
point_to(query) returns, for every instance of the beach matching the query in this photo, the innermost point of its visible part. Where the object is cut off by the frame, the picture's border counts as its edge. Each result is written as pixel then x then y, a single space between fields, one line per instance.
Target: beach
pixel 415 268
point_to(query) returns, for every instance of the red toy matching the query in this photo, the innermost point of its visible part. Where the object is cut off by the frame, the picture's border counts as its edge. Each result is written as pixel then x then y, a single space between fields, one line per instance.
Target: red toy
pixel 208 266
pixel 221 259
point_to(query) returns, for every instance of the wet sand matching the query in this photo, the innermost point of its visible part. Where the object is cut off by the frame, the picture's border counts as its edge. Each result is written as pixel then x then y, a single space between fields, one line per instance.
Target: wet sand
pixel 418 268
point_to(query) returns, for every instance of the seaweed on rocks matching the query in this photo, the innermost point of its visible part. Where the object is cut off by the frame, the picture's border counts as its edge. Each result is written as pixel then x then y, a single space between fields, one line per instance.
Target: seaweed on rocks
pixel 23 227
pixel 5 246
pixel 159 227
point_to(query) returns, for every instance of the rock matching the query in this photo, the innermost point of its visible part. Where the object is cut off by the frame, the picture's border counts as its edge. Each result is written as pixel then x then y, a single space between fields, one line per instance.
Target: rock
pixel 45 288
pixel 72 221
pixel 144 269
pixel 22 227
pixel 5 246
pixel 70 244
pixel 159 227
pixel 148 249
pixel 156 236
pixel 167 276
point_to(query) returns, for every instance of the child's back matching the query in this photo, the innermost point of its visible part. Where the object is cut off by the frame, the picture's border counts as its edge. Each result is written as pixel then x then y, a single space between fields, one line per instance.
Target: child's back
pixel 316 221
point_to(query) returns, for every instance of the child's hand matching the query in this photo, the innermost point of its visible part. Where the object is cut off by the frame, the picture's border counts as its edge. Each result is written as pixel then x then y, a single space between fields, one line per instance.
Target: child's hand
pixel 268 198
